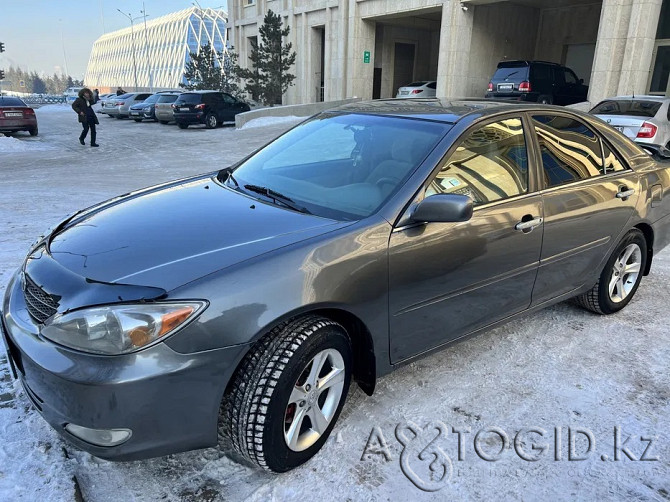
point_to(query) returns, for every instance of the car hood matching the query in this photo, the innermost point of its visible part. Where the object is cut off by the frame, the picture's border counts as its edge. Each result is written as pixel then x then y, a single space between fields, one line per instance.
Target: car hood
pixel 168 236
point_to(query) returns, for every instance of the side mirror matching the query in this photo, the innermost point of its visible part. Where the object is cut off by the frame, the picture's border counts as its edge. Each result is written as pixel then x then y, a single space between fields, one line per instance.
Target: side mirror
pixel 444 208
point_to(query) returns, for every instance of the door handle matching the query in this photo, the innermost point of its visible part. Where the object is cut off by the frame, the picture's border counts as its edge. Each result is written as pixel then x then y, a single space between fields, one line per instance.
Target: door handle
pixel 529 225
pixel 624 194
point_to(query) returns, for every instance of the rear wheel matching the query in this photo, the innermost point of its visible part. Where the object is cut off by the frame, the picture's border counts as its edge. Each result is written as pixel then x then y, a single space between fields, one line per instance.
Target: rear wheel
pixel 163 122
pixel 288 392
pixel 545 99
pixel 33 131
pixel 210 121
pixel 182 126
pixel 620 278
pixel 137 120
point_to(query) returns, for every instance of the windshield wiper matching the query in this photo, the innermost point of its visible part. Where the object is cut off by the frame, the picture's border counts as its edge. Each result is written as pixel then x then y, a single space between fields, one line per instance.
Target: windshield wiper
pixel 277 197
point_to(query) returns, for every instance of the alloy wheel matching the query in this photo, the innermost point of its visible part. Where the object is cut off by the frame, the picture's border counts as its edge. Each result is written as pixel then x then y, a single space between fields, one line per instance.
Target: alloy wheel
pixel 314 400
pixel 625 272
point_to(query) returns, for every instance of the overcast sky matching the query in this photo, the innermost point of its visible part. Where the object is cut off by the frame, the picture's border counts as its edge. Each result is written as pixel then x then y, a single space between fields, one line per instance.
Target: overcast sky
pixel 31 29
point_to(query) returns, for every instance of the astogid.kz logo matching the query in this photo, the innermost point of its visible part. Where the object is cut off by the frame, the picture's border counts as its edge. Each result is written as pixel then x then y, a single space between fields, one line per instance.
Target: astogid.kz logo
pixel 424 461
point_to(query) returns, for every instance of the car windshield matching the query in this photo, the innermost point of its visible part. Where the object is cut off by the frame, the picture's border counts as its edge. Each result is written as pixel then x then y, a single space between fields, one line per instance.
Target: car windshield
pixel 339 166
pixel 151 99
pixel 8 101
pixel 167 98
pixel 635 107
pixel 125 96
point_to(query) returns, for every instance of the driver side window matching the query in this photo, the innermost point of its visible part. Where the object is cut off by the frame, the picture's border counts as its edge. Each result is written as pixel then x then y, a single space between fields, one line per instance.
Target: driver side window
pixel 490 164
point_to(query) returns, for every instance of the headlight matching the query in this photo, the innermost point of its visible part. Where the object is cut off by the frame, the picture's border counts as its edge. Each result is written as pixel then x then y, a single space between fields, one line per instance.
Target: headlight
pixel 120 329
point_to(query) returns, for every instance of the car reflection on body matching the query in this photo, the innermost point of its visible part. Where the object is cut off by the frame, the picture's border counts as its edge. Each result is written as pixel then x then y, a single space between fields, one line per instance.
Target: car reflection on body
pixel 363 238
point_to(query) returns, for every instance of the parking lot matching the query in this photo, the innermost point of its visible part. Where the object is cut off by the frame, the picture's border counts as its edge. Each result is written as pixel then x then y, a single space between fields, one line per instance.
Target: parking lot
pixel 562 404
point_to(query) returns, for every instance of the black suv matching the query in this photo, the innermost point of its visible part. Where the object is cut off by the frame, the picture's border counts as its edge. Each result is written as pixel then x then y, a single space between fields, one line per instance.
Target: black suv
pixel 537 81
pixel 211 108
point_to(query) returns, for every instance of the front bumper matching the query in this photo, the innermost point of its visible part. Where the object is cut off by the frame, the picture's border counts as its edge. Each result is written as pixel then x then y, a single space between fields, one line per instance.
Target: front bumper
pixel 170 401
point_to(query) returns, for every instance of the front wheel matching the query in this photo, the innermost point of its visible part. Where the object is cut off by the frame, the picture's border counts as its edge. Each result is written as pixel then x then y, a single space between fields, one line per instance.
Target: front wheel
pixel 183 126
pixel 620 277
pixel 163 122
pixel 288 392
pixel 137 120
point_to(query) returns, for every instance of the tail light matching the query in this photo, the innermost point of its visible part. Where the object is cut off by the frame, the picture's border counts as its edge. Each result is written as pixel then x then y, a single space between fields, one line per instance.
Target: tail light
pixel 648 130
pixel 29 111
pixel 490 87
pixel 119 103
pixel 524 86
pixel 417 91
pixel 173 106
pixel 201 106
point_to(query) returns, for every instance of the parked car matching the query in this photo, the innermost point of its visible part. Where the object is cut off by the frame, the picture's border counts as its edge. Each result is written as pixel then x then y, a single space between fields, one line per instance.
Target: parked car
pixel 536 81
pixel 147 109
pixel 418 90
pixel 644 119
pixel 358 241
pixel 16 115
pixel 120 107
pixel 163 107
pixel 71 94
pixel 210 108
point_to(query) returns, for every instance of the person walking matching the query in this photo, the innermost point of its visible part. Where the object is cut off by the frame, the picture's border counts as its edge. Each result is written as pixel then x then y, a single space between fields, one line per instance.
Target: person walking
pixel 120 91
pixel 96 96
pixel 83 105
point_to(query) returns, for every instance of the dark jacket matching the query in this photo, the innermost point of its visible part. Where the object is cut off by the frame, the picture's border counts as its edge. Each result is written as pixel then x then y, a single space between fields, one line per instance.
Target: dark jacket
pixel 80 106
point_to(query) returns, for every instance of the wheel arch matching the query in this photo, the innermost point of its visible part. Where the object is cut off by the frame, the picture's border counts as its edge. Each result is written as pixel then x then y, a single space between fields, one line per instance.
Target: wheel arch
pixel 648 233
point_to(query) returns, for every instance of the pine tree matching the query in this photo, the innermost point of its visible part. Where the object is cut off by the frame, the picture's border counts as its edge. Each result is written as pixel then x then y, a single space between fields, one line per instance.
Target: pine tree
pixel 230 82
pixel 268 77
pixel 203 70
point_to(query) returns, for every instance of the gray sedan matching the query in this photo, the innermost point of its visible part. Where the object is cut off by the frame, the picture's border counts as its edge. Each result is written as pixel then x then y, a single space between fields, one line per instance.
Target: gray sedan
pixel 247 300
pixel 119 107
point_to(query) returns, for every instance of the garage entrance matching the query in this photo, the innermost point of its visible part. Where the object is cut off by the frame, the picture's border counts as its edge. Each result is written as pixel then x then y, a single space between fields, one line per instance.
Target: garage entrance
pixel 558 31
pixel 406 49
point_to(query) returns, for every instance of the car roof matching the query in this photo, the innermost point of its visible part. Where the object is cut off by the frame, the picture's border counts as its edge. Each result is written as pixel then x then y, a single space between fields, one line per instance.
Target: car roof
pixel 648 97
pixel 440 109
pixel 205 91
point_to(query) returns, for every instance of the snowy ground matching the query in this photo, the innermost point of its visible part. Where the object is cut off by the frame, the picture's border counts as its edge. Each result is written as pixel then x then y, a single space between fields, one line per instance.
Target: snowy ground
pixel 561 368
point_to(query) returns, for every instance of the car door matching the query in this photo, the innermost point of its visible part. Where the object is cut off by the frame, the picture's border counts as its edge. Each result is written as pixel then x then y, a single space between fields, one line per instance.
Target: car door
pixel 586 209
pixel 448 279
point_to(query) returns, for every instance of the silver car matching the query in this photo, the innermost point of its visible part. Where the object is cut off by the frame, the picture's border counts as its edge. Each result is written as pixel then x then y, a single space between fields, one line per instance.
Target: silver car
pixel 423 89
pixel 163 108
pixel 120 106
pixel 644 119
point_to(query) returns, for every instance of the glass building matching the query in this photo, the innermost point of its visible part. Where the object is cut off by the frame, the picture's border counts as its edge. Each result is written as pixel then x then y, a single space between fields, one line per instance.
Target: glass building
pixel 153 56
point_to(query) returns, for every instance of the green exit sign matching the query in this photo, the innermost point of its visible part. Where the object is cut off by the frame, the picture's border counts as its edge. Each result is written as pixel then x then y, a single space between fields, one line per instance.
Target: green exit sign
pixel 366 56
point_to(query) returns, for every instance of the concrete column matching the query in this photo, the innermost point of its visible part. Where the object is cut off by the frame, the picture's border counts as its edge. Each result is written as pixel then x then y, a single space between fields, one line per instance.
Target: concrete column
pixel 343 25
pixel 624 48
pixel 639 46
pixel 327 69
pixel 359 75
pixel 455 45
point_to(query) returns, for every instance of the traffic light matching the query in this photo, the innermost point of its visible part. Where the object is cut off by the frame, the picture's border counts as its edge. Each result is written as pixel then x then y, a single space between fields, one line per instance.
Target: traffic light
pixel 2 47
pixel 2 74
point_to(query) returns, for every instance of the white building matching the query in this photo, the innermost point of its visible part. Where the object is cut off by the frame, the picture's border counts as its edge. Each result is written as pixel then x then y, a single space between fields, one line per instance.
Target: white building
pixel 368 48
pixel 153 56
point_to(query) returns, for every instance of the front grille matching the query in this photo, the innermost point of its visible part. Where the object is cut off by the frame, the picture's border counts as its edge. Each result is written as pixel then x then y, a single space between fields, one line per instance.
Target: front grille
pixel 41 305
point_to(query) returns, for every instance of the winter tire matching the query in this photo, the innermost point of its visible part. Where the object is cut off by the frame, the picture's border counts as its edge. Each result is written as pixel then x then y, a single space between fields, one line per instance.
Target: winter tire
pixel 163 122
pixel 33 131
pixel 183 126
pixel 137 120
pixel 210 121
pixel 286 395
pixel 620 278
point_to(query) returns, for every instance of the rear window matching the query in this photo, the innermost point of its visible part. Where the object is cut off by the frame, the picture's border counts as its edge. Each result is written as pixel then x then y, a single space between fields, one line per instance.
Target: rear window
pixel 167 98
pixel 191 98
pixel 517 72
pixel 152 99
pixel 635 107
pixel 124 96
pixel 8 101
pixel 416 84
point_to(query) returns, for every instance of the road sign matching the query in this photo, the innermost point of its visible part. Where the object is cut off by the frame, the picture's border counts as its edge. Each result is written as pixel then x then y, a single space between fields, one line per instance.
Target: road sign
pixel 22 83
pixel 366 56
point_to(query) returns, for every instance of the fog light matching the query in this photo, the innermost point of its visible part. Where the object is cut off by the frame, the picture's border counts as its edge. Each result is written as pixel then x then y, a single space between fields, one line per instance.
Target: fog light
pixel 100 437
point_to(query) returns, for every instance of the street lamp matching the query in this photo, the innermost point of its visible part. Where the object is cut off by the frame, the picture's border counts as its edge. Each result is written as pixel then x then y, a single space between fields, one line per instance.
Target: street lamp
pixel 132 35
pixel 146 48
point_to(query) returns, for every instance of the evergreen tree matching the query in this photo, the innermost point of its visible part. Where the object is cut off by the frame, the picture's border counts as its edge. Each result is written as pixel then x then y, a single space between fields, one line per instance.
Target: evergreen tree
pixel 203 70
pixel 268 78
pixel 230 82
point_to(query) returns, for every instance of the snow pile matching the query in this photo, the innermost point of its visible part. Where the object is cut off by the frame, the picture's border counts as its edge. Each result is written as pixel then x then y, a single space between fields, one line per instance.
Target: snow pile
pixel 268 121
pixel 13 145
pixel 58 108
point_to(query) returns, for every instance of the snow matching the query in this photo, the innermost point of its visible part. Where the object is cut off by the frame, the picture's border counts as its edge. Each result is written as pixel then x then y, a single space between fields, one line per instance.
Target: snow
pixel 11 144
pixel 269 121
pixel 561 367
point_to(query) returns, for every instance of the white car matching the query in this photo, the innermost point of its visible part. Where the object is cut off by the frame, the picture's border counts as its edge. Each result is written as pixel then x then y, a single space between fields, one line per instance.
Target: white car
pixel 644 119
pixel 423 89
pixel 71 93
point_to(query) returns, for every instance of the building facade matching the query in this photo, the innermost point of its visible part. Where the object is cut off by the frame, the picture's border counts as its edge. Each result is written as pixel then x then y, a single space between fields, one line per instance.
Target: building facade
pixel 368 48
pixel 153 56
